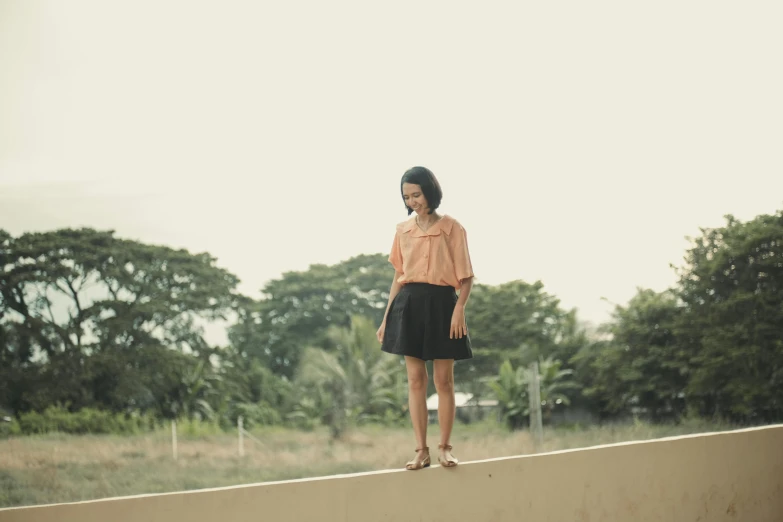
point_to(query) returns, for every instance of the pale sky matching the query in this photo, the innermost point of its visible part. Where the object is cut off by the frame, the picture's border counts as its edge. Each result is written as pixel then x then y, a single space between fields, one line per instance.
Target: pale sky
pixel 577 142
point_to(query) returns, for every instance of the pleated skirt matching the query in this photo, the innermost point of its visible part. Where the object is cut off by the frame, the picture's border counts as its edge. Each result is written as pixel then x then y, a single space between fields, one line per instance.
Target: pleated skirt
pixel 418 324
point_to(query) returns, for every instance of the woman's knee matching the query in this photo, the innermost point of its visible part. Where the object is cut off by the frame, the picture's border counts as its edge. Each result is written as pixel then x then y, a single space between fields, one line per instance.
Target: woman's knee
pixel 417 380
pixel 444 382
pixel 444 376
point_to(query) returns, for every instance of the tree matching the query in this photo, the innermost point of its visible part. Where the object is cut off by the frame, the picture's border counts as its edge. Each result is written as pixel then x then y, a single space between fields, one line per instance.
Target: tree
pixel 732 286
pixel 513 315
pixel 87 315
pixel 297 310
pixel 355 382
pixel 510 388
pixel 556 386
pixel 520 323
pixel 511 392
pixel 641 365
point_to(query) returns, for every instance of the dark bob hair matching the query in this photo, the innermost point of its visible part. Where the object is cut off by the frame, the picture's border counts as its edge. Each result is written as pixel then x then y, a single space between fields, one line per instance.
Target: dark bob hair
pixel 430 187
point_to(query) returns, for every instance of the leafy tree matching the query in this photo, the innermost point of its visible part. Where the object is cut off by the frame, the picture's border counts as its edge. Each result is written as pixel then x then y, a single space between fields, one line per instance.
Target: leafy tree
pixel 297 310
pixel 518 322
pixel 250 387
pixel 510 388
pixel 642 365
pixel 511 391
pixel 199 388
pixel 513 315
pixel 732 286
pixel 86 316
pixel 355 382
pixel 556 386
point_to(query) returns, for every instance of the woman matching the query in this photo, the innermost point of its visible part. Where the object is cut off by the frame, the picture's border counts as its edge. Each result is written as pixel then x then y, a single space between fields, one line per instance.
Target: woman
pixel 425 319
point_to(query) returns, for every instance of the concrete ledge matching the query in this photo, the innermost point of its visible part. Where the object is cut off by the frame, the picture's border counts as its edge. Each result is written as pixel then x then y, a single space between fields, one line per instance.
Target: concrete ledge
pixel 729 476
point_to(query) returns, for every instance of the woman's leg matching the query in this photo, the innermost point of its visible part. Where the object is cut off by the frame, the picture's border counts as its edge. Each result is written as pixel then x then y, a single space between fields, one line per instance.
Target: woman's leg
pixel 417 400
pixel 444 384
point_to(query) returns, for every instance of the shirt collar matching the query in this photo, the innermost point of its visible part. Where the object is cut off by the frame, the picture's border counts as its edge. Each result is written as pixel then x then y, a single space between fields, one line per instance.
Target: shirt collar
pixel 443 225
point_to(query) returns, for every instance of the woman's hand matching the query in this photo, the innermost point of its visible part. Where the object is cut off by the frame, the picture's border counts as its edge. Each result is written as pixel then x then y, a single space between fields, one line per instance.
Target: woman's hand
pixel 381 331
pixel 459 327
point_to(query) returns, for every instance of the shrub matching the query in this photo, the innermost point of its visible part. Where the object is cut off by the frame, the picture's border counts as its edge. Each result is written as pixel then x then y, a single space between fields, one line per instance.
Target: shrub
pixel 198 428
pixel 9 427
pixel 259 414
pixel 86 420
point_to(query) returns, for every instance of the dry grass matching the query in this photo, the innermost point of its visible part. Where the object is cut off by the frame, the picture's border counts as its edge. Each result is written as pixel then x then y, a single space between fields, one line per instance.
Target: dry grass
pixel 62 468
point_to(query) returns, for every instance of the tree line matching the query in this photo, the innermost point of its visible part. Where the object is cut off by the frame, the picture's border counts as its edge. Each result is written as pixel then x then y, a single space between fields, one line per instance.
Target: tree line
pixel 90 321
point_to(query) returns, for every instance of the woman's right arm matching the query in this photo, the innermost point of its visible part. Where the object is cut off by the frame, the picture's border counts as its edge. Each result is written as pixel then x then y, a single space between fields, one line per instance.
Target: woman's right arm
pixel 393 291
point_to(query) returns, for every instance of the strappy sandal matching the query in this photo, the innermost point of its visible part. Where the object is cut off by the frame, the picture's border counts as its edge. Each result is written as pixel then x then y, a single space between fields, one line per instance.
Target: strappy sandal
pixel 444 462
pixel 416 464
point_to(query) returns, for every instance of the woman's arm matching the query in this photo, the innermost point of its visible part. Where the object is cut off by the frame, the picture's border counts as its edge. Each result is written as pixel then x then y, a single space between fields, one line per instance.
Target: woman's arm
pixel 459 327
pixel 395 289
pixel 464 292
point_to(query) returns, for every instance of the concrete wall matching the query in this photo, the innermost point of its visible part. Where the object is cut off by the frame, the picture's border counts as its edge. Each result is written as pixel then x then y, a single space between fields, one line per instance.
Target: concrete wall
pixel 733 476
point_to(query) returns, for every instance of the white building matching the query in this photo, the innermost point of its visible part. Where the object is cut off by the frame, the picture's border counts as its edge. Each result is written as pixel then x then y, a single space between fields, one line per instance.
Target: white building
pixel 467 409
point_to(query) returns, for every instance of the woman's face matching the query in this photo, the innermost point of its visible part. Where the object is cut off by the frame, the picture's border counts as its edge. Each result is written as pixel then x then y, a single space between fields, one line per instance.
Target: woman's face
pixel 414 198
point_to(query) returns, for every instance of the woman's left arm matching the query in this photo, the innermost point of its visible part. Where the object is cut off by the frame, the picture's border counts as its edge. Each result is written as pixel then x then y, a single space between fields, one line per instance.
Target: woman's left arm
pixel 464 292
pixel 459 327
pixel 463 268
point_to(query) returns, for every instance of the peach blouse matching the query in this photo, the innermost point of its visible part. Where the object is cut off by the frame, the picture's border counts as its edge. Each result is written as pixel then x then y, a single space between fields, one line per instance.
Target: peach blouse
pixel 438 256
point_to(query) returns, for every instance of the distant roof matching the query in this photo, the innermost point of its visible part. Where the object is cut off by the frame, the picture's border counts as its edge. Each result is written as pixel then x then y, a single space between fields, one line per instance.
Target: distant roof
pixel 461 399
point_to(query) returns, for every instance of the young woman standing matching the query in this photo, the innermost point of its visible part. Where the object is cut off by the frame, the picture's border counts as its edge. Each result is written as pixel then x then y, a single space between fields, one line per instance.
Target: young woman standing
pixel 425 318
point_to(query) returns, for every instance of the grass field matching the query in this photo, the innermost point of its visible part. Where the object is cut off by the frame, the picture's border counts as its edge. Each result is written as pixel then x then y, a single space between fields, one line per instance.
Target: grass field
pixel 62 468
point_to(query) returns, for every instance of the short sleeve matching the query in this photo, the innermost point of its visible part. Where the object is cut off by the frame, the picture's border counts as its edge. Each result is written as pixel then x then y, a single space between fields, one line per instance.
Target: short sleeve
pixel 459 250
pixel 395 257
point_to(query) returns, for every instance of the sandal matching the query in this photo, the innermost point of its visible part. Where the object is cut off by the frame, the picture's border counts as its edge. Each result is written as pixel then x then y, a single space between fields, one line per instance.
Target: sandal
pixel 416 464
pixel 446 462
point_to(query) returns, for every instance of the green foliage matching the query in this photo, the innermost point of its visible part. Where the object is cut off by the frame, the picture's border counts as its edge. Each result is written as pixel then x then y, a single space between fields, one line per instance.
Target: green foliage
pixel 86 420
pixel 91 320
pixel 308 411
pixel 556 386
pixel 353 383
pixel 643 367
pixel 712 347
pixel 519 323
pixel 511 391
pixel 514 315
pixel 9 428
pixel 732 288
pixel 258 414
pixel 510 388
pixel 112 328
pixel 197 428
pixel 298 309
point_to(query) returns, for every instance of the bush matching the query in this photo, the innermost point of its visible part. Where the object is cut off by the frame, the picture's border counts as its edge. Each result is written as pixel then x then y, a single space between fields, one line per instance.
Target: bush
pixel 9 427
pixel 87 420
pixel 299 420
pixel 198 428
pixel 260 414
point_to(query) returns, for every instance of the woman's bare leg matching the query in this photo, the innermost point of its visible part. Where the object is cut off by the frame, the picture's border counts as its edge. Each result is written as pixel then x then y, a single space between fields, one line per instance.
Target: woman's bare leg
pixel 444 384
pixel 417 400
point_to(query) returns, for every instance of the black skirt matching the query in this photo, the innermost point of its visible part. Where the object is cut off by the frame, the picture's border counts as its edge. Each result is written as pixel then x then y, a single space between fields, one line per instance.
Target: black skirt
pixel 419 321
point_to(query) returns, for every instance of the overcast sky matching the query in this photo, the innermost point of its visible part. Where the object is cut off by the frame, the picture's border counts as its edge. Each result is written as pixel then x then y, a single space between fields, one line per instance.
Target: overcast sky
pixel 578 142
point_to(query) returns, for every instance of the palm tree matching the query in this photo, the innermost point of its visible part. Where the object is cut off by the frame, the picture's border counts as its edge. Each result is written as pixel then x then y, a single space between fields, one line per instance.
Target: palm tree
pixel 326 381
pixel 510 389
pixel 356 382
pixel 554 385
pixel 198 385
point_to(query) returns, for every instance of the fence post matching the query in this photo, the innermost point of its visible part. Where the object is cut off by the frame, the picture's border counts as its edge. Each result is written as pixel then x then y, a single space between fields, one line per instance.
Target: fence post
pixel 534 392
pixel 241 429
pixel 174 438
